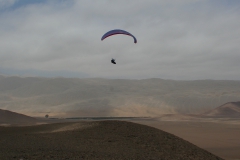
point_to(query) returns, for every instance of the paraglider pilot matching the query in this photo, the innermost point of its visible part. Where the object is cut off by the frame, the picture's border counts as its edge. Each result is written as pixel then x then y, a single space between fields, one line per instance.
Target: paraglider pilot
pixel 113 61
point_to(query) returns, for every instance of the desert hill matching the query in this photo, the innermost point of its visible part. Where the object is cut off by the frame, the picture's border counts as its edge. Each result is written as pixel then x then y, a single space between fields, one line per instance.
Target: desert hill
pixel 96 140
pixel 228 110
pixel 11 118
pixel 67 97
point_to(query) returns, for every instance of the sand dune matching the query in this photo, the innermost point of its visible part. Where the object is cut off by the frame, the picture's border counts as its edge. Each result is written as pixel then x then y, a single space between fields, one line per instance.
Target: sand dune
pixel 74 126
pixel 103 140
pixel 11 118
pixel 230 110
pixel 218 137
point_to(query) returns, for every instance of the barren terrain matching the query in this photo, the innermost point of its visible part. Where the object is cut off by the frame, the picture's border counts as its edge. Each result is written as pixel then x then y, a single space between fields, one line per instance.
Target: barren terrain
pixel 70 97
pixel 95 140
pixel 11 118
pixel 218 136
pixel 203 112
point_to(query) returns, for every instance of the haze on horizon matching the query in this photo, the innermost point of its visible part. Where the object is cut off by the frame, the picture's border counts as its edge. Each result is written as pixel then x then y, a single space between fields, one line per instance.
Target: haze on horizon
pixel 70 97
pixel 181 40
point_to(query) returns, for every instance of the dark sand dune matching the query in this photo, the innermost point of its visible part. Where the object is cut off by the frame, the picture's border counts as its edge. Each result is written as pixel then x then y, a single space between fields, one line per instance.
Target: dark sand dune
pixel 12 118
pixel 95 140
pixel 229 110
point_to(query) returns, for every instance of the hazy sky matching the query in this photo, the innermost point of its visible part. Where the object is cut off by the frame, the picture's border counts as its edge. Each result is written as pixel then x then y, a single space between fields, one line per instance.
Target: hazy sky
pixel 187 39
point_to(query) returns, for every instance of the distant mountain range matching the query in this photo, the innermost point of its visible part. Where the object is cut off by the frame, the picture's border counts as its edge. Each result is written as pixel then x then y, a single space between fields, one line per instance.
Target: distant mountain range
pixel 228 110
pixel 67 97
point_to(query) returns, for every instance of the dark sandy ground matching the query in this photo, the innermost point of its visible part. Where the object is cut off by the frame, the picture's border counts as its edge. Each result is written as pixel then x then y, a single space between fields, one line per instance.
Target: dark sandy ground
pixel 218 136
pixel 95 140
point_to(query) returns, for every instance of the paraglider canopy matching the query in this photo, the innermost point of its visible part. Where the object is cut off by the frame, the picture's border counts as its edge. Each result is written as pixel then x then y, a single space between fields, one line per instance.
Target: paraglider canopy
pixel 118 31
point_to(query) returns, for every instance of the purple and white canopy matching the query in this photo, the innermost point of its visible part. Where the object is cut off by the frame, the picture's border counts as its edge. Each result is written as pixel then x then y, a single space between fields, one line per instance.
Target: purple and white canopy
pixel 118 31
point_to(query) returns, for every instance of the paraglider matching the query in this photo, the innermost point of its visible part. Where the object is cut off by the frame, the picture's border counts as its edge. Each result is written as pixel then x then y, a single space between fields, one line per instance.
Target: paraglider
pixel 113 61
pixel 115 32
pixel 118 31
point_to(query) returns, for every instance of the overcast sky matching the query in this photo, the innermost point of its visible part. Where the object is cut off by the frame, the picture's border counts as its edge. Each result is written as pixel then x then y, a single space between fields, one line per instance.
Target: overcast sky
pixel 181 40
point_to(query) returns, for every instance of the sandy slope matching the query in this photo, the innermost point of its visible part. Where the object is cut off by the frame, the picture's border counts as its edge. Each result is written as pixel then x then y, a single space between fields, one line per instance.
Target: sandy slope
pixel 8 117
pixel 218 136
pixel 95 140
pixel 231 110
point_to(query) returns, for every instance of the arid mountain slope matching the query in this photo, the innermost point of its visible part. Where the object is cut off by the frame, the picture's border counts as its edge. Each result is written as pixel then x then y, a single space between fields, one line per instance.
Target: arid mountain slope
pixel 113 97
pixel 8 117
pixel 228 110
pixel 96 140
